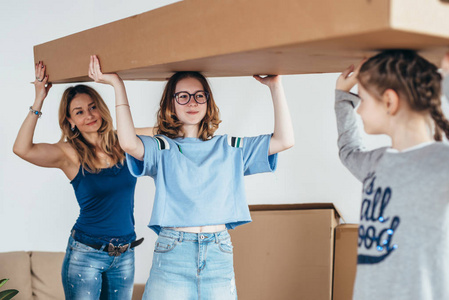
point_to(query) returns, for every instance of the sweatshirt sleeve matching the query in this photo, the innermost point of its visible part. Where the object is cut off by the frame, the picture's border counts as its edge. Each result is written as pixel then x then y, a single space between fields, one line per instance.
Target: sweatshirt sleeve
pixel 351 150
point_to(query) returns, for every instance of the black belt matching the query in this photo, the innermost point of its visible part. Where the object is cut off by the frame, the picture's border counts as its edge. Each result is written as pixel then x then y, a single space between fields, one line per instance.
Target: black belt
pixel 117 250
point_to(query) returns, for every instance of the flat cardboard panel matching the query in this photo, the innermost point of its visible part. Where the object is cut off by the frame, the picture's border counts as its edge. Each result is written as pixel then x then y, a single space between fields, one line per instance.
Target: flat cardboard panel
pixel 345 263
pixel 285 254
pixel 242 38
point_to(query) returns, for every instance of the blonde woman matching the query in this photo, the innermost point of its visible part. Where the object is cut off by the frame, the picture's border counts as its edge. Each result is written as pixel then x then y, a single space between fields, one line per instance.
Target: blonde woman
pixel 99 261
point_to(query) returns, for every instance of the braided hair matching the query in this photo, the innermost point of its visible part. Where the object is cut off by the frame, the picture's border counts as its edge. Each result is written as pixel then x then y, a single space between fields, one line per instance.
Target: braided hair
pixel 412 77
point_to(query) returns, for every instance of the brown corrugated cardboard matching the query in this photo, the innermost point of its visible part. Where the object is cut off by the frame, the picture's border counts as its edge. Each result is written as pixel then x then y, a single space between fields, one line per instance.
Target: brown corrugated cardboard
pixel 345 262
pixel 286 252
pixel 241 38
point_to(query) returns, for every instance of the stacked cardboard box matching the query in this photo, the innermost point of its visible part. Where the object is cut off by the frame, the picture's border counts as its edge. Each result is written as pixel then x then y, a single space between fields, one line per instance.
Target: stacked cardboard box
pixel 345 262
pixel 287 252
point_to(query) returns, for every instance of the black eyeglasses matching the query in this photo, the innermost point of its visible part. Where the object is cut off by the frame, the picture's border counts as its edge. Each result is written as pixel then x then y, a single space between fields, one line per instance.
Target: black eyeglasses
pixel 183 98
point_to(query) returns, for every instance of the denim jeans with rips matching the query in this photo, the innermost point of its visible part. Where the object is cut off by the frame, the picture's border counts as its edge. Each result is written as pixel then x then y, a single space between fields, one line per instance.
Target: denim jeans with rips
pixel 88 273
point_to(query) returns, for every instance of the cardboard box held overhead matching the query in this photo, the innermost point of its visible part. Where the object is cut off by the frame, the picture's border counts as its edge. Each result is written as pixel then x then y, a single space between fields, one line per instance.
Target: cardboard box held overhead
pixel 287 252
pixel 241 38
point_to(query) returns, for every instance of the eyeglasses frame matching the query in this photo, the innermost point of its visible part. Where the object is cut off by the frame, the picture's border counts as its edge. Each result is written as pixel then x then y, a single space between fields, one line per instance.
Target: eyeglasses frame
pixel 175 95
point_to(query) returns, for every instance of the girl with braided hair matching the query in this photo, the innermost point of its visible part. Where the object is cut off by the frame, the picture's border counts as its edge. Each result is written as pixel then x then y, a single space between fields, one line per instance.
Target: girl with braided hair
pixel 404 219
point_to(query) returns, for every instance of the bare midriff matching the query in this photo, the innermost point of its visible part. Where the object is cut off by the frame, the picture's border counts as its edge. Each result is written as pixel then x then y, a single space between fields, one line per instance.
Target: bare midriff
pixel 204 229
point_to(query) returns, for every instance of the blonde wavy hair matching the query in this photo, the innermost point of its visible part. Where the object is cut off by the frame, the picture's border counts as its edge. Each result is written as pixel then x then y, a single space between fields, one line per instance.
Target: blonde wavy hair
pixel 168 123
pixel 86 151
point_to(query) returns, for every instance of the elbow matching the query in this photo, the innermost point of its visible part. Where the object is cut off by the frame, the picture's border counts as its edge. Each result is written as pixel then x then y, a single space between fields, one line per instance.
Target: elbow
pixel 279 145
pixel 18 151
pixel 128 147
pixel 287 144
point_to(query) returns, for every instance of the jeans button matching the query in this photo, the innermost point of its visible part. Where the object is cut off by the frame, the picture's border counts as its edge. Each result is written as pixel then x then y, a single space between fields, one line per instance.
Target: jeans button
pixel 202 237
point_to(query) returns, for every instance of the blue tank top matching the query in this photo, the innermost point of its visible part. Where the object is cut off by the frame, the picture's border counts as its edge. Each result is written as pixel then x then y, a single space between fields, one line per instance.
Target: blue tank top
pixel 106 201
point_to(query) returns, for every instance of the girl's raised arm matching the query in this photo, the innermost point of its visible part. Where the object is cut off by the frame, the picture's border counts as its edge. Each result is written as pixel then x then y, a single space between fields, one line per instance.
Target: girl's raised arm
pixel 283 137
pixel 42 154
pixel 350 144
pixel 129 142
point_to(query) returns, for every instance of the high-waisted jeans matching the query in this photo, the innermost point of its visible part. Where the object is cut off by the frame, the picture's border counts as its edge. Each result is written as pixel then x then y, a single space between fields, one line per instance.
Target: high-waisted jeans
pixel 88 273
pixel 192 266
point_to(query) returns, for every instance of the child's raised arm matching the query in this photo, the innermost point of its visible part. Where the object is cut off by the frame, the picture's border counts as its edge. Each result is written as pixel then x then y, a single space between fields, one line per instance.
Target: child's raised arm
pixel 129 142
pixel 351 150
pixel 283 137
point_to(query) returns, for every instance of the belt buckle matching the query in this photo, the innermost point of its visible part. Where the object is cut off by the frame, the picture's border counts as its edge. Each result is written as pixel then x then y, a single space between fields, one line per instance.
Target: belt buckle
pixel 116 250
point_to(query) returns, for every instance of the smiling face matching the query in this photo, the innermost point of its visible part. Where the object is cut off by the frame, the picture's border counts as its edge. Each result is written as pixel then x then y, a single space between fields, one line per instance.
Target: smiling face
pixel 84 114
pixel 191 113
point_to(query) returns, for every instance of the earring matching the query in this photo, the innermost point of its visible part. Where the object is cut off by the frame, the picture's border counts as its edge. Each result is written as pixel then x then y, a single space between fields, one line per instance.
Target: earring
pixel 72 128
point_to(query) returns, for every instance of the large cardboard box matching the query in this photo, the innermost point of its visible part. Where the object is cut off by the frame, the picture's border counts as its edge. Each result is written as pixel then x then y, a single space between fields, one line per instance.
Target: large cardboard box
pixel 287 252
pixel 246 37
pixel 345 263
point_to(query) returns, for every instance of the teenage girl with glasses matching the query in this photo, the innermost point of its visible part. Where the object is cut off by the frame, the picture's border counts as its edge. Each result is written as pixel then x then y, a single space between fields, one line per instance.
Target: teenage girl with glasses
pixel 99 261
pixel 199 182
pixel 404 219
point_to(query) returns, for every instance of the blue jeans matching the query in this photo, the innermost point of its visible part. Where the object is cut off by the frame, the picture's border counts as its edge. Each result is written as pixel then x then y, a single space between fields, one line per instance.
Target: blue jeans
pixel 88 273
pixel 189 266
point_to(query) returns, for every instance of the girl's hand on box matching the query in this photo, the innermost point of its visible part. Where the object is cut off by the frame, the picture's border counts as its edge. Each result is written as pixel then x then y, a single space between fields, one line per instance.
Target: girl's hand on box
pixel 270 80
pixel 348 78
pixel 97 75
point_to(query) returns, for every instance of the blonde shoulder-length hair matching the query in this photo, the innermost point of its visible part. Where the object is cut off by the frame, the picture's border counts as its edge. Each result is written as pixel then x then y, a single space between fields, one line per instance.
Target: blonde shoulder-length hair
pixel 168 123
pixel 108 137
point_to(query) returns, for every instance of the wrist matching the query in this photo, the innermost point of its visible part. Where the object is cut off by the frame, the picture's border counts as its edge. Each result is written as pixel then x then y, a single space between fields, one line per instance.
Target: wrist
pixel 117 81
pixel 38 102
pixel 35 112
pixel 275 86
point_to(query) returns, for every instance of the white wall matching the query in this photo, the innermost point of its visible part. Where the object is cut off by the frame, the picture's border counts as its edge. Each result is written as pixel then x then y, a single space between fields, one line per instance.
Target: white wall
pixel 38 206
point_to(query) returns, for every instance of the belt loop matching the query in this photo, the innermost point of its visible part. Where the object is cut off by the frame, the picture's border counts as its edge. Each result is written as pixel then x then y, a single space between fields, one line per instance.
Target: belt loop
pixel 180 236
pixel 216 238
pixel 73 233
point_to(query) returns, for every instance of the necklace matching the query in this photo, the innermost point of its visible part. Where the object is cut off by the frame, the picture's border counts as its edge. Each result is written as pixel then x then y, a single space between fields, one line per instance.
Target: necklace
pixel 105 158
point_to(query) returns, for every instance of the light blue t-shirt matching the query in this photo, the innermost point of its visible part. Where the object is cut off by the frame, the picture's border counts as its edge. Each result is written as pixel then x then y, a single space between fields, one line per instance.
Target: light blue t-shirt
pixel 200 183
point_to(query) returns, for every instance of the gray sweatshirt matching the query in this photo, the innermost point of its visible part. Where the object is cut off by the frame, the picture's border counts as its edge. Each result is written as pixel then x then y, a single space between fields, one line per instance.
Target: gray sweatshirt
pixel 403 244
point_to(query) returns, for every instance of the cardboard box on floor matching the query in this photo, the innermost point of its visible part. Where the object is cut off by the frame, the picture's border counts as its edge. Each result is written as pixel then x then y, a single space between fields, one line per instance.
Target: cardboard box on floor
pixel 287 252
pixel 241 38
pixel 345 262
